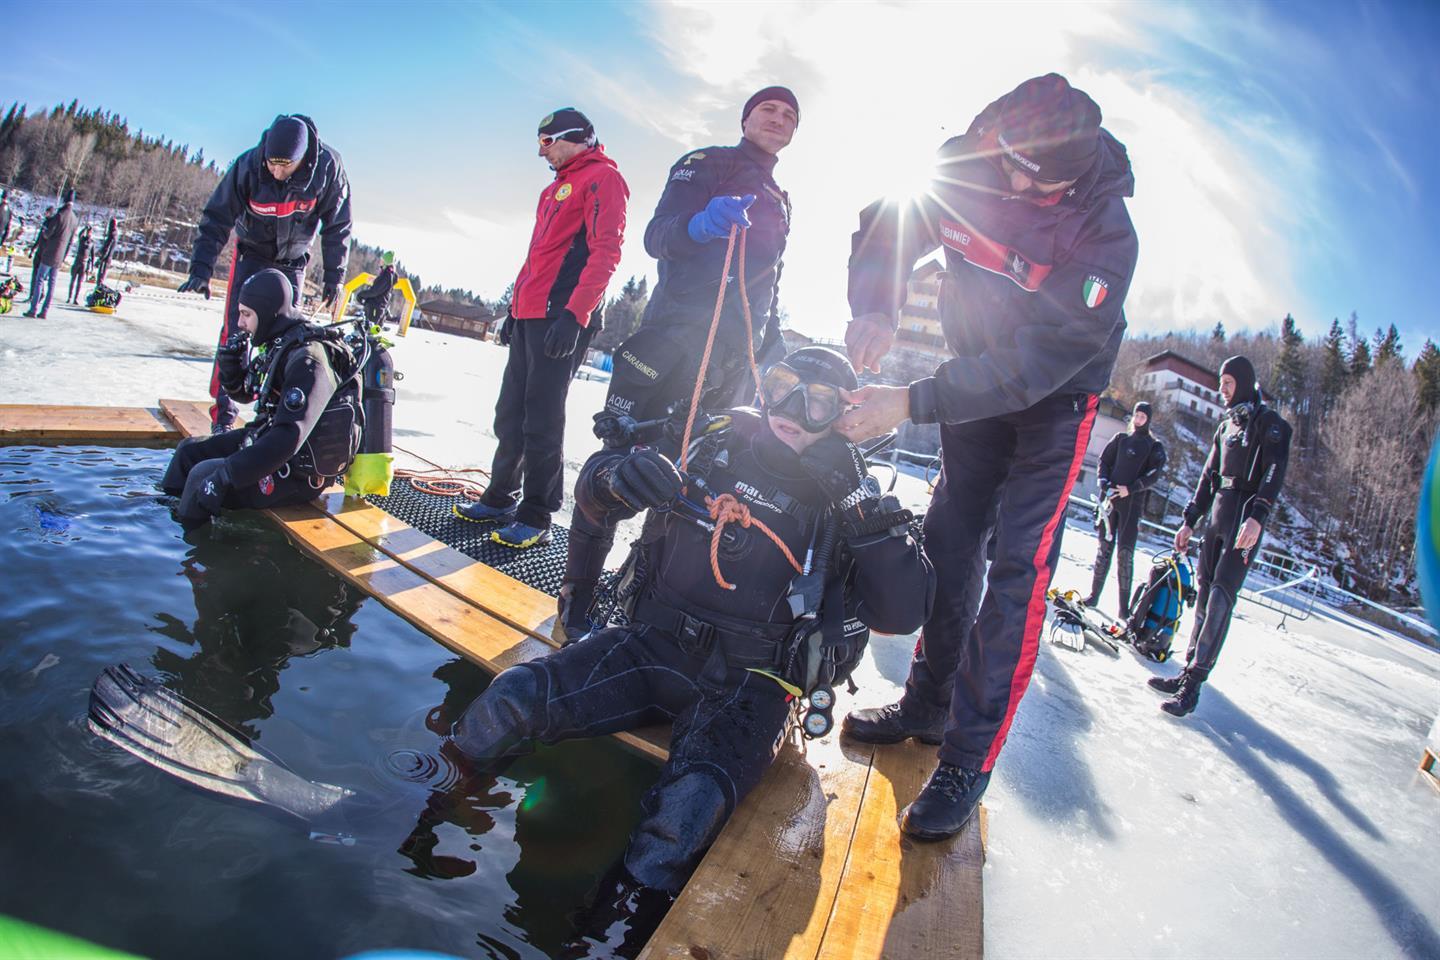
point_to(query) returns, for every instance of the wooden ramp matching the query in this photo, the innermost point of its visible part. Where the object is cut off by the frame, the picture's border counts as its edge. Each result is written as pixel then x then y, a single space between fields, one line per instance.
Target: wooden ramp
pixel 812 864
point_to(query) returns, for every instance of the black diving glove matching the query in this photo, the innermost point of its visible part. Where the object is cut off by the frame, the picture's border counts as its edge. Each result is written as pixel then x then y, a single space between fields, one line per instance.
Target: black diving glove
pixel 206 487
pixel 507 330
pixel 645 479
pixel 231 360
pixel 836 466
pixel 562 336
pixel 194 284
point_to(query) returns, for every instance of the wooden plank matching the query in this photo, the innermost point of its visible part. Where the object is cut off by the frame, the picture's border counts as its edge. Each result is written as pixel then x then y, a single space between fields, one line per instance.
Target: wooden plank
pixel 190 417
pixel 898 897
pixel 460 626
pixel 766 887
pixel 501 596
pixel 21 421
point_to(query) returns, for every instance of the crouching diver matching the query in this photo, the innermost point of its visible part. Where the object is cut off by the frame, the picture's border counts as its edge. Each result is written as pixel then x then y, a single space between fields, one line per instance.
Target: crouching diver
pixel 1237 490
pixel 307 425
pixel 734 609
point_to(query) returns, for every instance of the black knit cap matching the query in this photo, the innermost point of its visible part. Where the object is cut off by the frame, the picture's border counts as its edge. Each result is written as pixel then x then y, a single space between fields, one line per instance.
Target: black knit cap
pixel 1246 386
pixel 287 139
pixel 567 118
pixel 822 365
pixel 1048 129
pixel 270 295
pixel 783 94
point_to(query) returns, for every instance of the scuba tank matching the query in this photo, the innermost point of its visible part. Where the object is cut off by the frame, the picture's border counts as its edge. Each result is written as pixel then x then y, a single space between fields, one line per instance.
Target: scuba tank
pixel 374 466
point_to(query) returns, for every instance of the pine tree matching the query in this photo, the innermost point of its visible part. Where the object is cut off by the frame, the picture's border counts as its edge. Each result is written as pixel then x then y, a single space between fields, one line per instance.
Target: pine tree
pixel 1359 349
pixel 1288 377
pixel 1387 346
pixel 1334 370
pixel 1218 334
pixel 1427 375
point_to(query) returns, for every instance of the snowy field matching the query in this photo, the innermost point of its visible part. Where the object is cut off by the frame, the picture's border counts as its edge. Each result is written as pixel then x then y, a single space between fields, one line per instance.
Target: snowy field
pixel 1284 818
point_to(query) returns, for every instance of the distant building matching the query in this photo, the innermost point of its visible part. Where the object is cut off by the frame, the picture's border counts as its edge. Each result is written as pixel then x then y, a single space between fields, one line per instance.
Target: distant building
pixel 919 330
pixel 465 319
pixel 1191 389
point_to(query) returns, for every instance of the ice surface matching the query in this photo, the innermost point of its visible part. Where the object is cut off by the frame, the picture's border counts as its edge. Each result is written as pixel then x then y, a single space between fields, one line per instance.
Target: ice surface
pixel 1284 818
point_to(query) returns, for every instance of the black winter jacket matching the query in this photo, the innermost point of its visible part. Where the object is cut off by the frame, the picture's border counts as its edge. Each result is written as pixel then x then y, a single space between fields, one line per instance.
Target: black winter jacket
pixel 1250 461
pixel 690 272
pixel 278 221
pixel 55 235
pixel 1032 302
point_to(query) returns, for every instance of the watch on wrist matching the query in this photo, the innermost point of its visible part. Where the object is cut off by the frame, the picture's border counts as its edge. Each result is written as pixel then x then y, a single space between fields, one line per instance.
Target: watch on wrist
pixel 869 489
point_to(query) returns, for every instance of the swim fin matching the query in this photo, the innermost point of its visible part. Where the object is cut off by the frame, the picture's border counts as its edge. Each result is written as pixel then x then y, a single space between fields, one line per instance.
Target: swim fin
pixel 185 740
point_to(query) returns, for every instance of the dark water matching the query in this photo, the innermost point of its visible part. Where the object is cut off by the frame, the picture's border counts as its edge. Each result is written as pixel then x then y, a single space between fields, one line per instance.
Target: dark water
pixel 93 842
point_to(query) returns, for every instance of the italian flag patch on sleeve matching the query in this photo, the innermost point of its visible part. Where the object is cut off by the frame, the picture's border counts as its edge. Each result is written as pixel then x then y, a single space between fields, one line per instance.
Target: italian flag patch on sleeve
pixel 1095 291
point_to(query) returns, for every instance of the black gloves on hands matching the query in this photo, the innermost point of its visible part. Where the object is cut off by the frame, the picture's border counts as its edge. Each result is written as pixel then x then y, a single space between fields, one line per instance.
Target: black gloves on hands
pixel 507 330
pixel 205 489
pixel 562 336
pixel 836 465
pixel 231 360
pixel 194 284
pixel 645 479
pixel 327 297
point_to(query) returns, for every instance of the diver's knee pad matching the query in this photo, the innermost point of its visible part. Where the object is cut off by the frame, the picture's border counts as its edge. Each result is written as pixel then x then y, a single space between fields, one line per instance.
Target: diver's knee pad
pixel 504 719
pixel 688 815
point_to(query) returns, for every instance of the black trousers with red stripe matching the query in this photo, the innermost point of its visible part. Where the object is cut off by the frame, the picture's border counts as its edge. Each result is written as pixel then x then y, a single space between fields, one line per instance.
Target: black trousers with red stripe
pixel 242 268
pixel 1011 475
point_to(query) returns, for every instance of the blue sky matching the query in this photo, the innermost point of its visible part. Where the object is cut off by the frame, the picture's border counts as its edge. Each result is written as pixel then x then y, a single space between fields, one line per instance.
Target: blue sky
pixel 1282 151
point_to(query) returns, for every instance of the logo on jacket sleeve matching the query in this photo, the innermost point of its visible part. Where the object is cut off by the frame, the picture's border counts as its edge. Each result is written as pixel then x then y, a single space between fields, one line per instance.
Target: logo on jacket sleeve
pixel 1095 290
pixel 697 155
pixel 563 192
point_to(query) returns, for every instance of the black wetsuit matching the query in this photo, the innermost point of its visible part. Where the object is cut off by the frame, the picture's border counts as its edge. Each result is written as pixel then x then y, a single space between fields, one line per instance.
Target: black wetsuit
pixel 106 251
pixel 657 366
pixel 78 266
pixel 306 432
pixel 375 298
pixel 1134 461
pixel 1032 308
pixel 691 653
pixel 1241 481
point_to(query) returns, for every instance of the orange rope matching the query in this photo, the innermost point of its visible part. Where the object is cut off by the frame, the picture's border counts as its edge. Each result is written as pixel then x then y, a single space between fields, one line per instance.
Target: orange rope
pixel 726 509
pixel 445 485
pixel 709 346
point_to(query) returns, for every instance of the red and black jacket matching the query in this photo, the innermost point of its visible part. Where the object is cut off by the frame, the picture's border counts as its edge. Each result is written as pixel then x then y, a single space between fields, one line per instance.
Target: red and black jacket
pixel 1032 304
pixel 277 221
pixel 575 246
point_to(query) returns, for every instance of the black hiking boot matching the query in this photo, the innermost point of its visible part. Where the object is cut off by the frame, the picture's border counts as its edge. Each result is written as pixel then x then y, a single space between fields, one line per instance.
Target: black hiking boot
pixel 1166 685
pixel 946 804
pixel 895 722
pixel 1187 697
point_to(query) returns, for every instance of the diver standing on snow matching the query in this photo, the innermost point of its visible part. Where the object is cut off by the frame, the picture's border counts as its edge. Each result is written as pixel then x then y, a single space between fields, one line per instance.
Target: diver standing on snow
pixel 1238 488
pixel 308 423
pixel 276 196
pixel 79 265
pixel 375 298
pixel 1129 467
pixel 106 251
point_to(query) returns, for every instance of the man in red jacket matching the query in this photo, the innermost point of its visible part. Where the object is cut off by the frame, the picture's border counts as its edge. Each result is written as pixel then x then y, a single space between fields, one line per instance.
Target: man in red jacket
pixel 554 311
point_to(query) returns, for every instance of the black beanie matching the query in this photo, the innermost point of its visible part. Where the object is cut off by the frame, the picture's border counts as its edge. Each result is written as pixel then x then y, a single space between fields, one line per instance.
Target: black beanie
pixel 270 295
pixel 287 139
pixel 1246 387
pixel 783 94
pixel 1049 129
pixel 823 365
pixel 568 118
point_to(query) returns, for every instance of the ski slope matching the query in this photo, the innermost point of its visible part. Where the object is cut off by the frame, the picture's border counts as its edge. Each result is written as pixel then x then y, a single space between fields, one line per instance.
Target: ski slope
pixel 1284 818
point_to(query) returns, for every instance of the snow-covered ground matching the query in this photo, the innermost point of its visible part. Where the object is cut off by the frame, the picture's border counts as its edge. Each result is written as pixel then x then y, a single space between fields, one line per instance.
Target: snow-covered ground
pixel 1284 818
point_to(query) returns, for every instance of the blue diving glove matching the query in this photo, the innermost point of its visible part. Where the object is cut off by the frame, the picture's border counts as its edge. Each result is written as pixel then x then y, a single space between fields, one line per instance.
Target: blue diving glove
pixel 719 214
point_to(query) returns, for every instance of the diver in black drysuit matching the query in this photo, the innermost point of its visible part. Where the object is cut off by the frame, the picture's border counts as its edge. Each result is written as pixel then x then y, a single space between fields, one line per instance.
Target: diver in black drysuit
pixel 375 298
pixel 308 423
pixel 715 676
pixel 1237 490
pixel 78 266
pixel 106 251
pixel 1129 466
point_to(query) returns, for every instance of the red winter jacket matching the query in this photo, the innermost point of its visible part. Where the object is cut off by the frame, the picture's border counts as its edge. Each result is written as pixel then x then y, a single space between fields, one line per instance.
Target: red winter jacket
pixel 579 227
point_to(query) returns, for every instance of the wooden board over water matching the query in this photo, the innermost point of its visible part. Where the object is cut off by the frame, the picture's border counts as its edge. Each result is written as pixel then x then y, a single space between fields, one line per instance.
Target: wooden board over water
pixel 45 423
pixel 812 865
